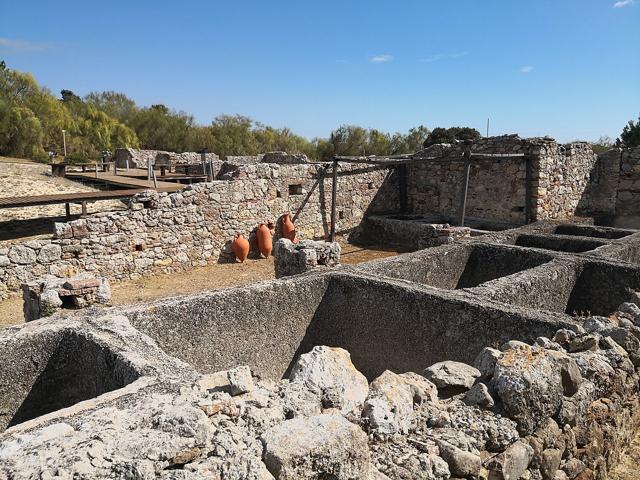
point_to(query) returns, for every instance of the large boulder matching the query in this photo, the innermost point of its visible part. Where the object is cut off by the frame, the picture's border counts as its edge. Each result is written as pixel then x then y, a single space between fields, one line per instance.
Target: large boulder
pixel 451 376
pixel 328 372
pixel 323 446
pixel 529 383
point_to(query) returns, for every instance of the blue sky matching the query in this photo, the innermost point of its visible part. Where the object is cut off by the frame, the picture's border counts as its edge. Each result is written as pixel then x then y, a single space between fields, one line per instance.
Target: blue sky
pixel 565 68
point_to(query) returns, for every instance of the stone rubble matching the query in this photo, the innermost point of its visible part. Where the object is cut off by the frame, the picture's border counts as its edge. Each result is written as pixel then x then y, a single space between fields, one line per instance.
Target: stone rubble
pixel 295 258
pixel 553 414
pixel 47 296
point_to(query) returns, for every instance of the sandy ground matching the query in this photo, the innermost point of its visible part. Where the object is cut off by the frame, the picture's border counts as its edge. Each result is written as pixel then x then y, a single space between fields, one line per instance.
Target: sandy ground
pixel 22 178
pixel 211 277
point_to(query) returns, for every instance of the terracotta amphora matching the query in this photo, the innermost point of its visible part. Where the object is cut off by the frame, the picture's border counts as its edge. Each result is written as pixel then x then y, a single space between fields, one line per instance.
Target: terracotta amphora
pixel 288 228
pixel 240 247
pixel 265 243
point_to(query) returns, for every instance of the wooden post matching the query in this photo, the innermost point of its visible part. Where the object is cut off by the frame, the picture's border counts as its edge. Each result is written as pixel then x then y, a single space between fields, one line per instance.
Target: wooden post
pixel 334 194
pixel 155 181
pixel 465 186
pixel 96 168
pixel 530 202
pixel 84 207
pixel 67 209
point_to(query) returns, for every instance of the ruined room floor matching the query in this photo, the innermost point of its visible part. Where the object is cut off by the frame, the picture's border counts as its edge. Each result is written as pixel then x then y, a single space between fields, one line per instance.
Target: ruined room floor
pixel 211 277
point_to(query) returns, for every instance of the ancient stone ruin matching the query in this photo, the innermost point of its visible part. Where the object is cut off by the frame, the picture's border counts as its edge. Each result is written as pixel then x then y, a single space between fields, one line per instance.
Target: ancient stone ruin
pixel 507 348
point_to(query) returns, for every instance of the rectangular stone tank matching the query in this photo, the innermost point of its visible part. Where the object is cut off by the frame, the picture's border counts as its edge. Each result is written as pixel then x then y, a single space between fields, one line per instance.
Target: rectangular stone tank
pixel 55 369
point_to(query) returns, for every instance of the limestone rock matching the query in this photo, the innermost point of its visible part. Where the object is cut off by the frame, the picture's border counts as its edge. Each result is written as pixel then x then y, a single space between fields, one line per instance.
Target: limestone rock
pixel 22 255
pixel 486 360
pixel 630 309
pixel 328 371
pixel 240 380
pixel 479 395
pixel 449 375
pixel 323 446
pixel 461 463
pixel 49 253
pixel 389 406
pixel 550 463
pixel 49 302
pixel 529 384
pixel 512 463
pixel 422 389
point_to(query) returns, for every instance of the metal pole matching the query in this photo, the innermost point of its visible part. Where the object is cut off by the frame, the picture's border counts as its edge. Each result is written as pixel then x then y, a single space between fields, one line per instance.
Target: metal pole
pixel 155 181
pixel 465 187
pixel 487 127
pixel 334 194
pixel 64 142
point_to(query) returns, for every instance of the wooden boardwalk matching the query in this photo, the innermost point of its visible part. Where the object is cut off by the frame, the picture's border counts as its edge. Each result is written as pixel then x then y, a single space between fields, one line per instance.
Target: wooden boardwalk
pixel 123 180
pixel 80 197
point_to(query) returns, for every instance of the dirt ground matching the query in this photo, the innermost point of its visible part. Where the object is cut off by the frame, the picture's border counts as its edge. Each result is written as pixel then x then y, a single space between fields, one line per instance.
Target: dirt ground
pixel 629 466
pixel 211 277
pixel 22 178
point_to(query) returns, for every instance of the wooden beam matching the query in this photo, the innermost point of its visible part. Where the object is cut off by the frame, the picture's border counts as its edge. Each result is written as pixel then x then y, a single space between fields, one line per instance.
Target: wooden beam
pixel 465 187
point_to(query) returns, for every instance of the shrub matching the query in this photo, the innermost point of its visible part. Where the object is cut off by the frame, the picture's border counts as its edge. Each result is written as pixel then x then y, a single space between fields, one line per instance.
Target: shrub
pixel 76 158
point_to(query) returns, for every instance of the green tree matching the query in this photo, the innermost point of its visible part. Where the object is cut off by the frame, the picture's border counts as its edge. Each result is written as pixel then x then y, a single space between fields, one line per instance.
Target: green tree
pixel 233 135
pixel 159 128
pixel 116 105
pixel 450 135
pixel 630 136
pixel 20 132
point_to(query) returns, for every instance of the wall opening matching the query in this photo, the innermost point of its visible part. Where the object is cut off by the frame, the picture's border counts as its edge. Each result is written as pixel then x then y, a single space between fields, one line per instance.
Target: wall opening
pixel 295 189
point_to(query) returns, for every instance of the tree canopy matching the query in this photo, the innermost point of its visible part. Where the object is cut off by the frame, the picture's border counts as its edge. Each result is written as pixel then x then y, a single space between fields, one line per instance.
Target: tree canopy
pixel 630 136
pixel 32 120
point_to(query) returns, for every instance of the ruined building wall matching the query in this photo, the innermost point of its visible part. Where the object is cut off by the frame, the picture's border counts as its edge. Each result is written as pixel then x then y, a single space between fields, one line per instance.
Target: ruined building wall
pixel 600 197
pixel 628 198
pixel 139 158
pixel 559 176
pixel 195 226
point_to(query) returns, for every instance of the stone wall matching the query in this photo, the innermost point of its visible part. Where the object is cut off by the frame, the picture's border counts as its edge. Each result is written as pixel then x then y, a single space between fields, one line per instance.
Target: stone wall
pixel 436 186
pixel 628 198
pixel 561 176
pixel 499 188
pixel 613 194
pixel 169 232
pixel 140 158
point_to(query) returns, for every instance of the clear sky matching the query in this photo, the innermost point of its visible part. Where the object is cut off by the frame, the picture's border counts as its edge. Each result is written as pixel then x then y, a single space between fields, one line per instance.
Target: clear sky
pixel 565 68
